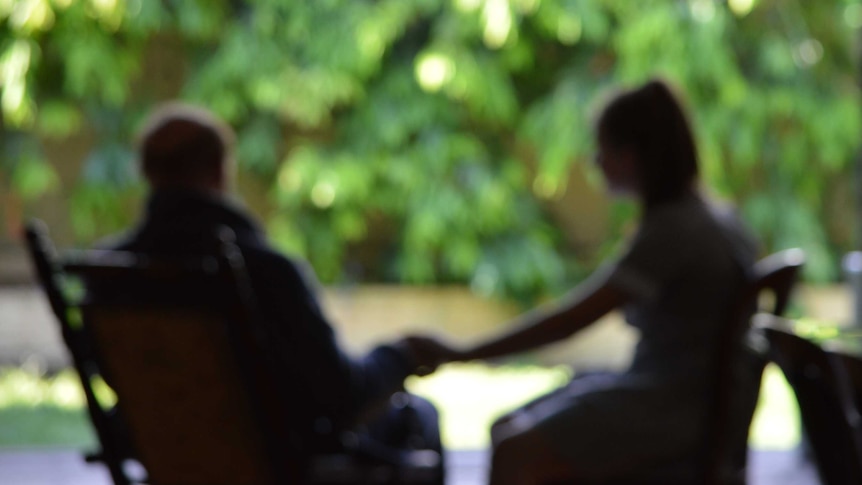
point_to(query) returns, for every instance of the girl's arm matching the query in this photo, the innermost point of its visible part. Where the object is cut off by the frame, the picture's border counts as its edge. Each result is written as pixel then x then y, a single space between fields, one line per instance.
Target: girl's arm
pixel 579 309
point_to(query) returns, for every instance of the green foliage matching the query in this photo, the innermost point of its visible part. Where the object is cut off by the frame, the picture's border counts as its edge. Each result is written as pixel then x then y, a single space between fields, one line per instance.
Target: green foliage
pixel 422 141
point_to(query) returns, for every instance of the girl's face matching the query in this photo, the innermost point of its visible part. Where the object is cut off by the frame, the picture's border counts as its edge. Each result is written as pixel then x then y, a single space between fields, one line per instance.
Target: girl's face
pixel 619 169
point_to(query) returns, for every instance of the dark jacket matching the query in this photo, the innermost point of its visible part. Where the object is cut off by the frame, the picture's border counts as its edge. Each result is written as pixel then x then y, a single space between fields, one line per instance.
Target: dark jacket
pixel 328 389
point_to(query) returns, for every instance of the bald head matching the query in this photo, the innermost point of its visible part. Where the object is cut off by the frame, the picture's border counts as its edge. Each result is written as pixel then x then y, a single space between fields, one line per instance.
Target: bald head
pixel 185 147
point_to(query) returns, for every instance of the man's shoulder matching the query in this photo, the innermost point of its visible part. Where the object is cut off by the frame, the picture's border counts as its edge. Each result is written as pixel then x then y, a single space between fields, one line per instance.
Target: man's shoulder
pixel 262 258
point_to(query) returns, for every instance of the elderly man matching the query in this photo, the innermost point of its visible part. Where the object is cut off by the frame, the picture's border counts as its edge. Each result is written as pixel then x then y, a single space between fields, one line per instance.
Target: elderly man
pixel 185 156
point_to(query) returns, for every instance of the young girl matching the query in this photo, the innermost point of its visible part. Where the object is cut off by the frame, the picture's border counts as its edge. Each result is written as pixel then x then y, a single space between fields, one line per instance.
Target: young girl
pixel 676 281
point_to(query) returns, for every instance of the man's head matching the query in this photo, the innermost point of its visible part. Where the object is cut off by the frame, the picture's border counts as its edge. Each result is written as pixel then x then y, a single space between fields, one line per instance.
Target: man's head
pixel 186 147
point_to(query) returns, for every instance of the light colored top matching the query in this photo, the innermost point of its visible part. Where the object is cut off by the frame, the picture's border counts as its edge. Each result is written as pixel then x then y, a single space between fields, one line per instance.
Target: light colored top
pixel 683 270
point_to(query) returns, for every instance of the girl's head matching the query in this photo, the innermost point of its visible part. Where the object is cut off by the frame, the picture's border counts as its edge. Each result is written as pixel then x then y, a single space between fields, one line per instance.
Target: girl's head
pixel 646 146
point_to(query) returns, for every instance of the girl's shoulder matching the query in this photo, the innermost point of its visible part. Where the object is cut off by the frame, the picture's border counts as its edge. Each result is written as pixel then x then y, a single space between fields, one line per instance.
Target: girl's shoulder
pixel 698 219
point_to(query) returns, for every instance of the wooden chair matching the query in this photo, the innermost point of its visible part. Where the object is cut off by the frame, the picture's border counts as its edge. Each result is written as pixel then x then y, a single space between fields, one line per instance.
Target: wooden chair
pixel 769 290
pixel 851 362
pixel 722 460
pixel 825 395
pixel 113 451
pixel 192 376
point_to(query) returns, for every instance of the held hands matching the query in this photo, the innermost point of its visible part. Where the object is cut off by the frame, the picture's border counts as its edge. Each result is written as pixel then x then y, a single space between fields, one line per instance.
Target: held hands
pixel 430 352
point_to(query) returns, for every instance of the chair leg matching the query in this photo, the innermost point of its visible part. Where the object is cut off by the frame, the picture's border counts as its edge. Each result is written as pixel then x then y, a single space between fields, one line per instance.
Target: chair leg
pixel 113 464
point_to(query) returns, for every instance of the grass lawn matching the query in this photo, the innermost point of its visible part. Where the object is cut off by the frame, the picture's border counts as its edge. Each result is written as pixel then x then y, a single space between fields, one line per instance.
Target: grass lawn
pixel 49 411
pixel 42 411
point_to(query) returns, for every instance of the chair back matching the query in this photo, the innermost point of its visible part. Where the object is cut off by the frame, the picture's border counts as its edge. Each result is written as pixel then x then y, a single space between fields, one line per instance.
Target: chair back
pixel 851 362
pixel 769 287
pixel 50 278
pixel 182 395
pixel 173 338
pixel 181 353
pixel 777 274
pixel 826 402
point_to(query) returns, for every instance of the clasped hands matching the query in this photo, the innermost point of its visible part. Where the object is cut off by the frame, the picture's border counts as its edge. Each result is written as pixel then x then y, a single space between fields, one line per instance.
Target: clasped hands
pixel 430 352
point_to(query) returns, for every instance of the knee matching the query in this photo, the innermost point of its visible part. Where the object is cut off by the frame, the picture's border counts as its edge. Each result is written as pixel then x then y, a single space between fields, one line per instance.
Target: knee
pixel 506 451
pixel 510 425
pixel 503 462
pixel 526 459
pixel 499 431
pixel 511 459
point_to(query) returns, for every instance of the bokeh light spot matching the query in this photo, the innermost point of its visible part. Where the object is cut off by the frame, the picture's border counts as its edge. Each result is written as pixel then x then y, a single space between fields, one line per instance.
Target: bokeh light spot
pixel 569 30
pixel 703 10
pixel 433 71
pixel 467 5
pixel 741 7
pixel 498 23
pixel 289 179
pixel 546 186
pixel 808 53
pixel 31 15
pixel 370 42
pixel 323 194
pixel 527 7
pixel 853 16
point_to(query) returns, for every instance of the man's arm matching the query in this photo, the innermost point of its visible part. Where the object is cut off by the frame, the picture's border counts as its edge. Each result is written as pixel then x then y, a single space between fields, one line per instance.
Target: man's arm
pixel 340 386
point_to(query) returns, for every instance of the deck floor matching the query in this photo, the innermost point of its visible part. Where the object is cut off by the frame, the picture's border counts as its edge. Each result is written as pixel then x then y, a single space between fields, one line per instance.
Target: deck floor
pixel 66 467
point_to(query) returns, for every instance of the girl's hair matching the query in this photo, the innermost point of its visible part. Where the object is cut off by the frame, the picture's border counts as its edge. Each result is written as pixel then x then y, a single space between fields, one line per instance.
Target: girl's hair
pixel 650 122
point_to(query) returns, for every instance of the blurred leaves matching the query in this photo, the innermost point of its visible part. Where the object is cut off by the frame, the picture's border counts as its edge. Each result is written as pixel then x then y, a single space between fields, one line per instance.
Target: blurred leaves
pixel 33 177
pixel 423 141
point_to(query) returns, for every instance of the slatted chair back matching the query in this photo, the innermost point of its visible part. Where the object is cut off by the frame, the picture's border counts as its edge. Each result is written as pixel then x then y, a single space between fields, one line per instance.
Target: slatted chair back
pixel 180 352
pixel 50 277
pixel 182 395
pixel 173 337
pixel 825 396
